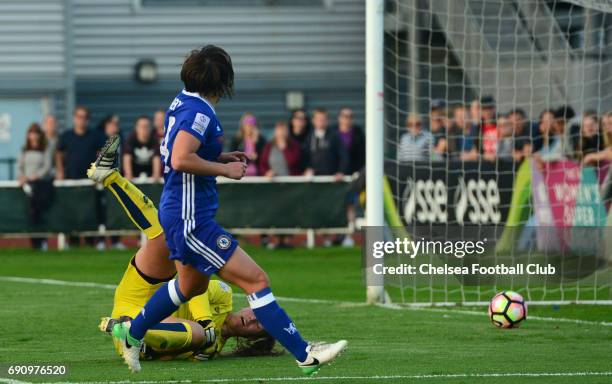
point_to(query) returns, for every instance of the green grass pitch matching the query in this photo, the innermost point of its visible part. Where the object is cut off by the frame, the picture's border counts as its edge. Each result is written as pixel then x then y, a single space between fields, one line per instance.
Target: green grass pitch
pixel 41 322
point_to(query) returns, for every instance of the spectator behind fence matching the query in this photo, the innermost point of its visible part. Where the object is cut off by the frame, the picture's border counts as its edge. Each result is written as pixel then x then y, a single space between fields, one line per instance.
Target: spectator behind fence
pixel 552 138
pixel 438 126
pixel 51 136
pixel 505 145
pixel 604 156
pixel 159 117
pixel 590 140
pixel 606 153
pixel 249 140
pixel 109 126
pixel 35 177
pixel 141 156
pixel 77 148
pixel 476 112
pixel 606 129
pixel 353 140
pixel 464 136
pixel 486 126
pixel 282 156
pixel 569 134
pixel 416 144
pixel 520 134
pixel 324 153
pixel 299 130
pixel 299 126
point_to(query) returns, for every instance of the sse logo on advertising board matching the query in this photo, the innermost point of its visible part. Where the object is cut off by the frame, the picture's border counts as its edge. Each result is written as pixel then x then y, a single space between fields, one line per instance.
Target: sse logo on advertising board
pixel 479 200
pixel 475 201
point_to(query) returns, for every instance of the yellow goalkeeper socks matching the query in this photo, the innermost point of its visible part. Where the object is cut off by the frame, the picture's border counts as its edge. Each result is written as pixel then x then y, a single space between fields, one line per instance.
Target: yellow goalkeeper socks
pixel 139 208
pixel 169 340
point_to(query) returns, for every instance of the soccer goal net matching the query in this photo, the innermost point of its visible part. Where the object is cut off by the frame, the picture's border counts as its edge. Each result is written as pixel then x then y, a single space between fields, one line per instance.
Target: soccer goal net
pixel 498 128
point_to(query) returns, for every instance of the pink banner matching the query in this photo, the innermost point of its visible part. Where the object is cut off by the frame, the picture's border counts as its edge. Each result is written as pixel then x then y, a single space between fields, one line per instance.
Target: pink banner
pixel 547 238
pixel 562 179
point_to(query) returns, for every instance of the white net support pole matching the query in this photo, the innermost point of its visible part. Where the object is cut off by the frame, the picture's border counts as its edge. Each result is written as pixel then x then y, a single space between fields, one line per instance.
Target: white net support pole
pixel 374 131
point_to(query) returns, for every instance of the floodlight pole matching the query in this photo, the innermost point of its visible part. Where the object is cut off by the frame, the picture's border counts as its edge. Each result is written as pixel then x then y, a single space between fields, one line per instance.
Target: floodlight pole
pixel 374 132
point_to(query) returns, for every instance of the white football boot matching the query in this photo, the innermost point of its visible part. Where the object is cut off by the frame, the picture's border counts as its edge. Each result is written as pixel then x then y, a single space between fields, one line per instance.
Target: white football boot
pixel 321 353
pixel 130 347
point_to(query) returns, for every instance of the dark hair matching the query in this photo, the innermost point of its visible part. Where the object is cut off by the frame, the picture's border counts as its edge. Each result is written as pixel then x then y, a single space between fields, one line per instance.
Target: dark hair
pixel 263 346
pixel 35 127
pixel 518 111
pixel 107 119
pixel 487 101
pixel 458 106
pixel 319 110
pixel 294 112
pixel 209 72
pixel 566 113
pixel 307 126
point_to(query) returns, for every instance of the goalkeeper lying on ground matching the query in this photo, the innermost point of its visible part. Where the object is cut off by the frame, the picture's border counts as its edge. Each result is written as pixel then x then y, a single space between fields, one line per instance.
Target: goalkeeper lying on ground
pixel 200 327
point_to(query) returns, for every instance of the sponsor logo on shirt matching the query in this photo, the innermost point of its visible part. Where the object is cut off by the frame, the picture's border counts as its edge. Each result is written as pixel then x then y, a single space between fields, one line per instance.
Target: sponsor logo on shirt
pixel 200 123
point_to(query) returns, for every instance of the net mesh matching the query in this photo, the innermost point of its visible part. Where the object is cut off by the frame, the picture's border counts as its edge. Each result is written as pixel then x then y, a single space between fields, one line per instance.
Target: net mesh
pixel 496 119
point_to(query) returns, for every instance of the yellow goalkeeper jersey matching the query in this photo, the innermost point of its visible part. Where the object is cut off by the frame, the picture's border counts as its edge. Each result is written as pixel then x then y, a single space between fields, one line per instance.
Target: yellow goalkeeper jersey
pixel 133 292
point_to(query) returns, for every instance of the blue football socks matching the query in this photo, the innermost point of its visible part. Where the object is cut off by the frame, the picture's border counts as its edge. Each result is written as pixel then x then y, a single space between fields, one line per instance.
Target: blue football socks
pixel 276 322
pixel 162 304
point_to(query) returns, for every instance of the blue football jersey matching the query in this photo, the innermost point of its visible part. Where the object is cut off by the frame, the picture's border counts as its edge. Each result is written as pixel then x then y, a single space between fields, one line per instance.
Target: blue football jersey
pixel 188 196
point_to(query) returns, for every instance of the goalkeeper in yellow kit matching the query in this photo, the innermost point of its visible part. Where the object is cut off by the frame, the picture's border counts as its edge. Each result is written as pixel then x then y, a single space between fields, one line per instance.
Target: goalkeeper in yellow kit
pixel 200 327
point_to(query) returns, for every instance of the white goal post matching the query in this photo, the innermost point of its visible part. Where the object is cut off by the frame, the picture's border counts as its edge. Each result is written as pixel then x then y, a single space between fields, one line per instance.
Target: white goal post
pixel 374 130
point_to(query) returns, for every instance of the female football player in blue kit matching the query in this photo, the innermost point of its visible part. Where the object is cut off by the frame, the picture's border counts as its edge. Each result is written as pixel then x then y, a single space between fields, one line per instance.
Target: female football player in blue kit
pixel 193 158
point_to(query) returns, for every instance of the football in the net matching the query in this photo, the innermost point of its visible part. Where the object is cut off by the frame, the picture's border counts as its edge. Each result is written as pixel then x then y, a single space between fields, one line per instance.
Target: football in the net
pixel 507 309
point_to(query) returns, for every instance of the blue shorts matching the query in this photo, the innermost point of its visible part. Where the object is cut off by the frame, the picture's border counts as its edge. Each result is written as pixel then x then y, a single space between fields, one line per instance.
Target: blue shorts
pixel 204 245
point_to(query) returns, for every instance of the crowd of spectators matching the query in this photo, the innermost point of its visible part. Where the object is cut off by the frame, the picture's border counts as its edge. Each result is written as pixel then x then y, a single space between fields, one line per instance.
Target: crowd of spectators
pixel 302 146
pixel 478 132
pixel 299 146
pixel 317 145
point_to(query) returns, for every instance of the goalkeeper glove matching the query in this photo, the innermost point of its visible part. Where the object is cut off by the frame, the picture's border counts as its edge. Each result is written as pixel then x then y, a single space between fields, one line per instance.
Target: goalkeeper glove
pixel 209 348
pixel 209 332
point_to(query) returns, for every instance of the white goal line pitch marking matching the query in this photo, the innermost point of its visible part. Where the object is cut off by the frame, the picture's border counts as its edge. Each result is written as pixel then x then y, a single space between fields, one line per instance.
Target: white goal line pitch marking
pixel 350 378
pixel 441 310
